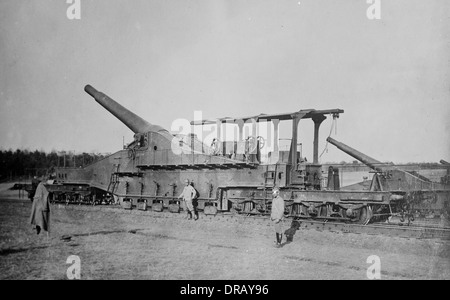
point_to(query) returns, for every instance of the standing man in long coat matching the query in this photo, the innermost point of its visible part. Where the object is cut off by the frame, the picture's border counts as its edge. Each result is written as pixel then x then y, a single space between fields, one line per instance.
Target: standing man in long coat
pixel 40 209
pixel 277 215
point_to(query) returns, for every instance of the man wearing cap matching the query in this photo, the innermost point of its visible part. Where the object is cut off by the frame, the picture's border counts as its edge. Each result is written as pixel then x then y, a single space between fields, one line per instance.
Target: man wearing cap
pixel 188 195
pixel 277 215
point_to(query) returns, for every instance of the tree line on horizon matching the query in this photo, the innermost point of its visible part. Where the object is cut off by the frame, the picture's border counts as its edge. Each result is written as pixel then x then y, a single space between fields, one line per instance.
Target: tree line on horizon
pixel 27 164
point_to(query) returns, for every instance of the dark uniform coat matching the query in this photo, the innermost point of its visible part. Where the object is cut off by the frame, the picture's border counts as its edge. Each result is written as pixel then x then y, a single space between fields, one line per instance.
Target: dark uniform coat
pixel 40 210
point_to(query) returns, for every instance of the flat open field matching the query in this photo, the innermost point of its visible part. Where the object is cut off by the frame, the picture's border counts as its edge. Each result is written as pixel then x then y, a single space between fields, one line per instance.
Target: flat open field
pixel 119 244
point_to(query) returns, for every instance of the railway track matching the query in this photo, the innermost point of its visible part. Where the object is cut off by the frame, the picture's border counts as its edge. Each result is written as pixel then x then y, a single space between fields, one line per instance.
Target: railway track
pixel 431 230
pixel 411 231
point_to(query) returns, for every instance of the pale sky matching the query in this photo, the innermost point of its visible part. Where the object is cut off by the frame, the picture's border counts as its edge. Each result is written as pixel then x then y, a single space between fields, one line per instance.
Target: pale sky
pixel 165 59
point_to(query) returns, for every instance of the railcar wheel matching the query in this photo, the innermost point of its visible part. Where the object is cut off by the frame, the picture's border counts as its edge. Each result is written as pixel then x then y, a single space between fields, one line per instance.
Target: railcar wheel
pixel 323 211
pixel 312 211
pixel 365 215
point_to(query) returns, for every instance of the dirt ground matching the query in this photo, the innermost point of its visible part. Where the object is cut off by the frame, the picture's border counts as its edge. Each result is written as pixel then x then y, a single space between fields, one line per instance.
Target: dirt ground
pixel 119 244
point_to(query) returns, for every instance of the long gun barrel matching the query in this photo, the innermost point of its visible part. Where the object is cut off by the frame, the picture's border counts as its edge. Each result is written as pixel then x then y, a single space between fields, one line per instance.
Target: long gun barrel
pixel 367 160
pixel 444 162
pixel 131 120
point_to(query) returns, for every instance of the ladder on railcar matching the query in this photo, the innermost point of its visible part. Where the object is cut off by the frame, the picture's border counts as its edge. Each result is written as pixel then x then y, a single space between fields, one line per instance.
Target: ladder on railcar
pixel 113 180
pixel 270 175
pixel 268 186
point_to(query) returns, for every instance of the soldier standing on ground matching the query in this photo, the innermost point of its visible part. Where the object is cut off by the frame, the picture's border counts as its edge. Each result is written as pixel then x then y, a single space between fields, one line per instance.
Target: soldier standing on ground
pixel 277 215
pixel 40 210
pixel 188 195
